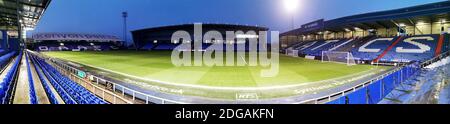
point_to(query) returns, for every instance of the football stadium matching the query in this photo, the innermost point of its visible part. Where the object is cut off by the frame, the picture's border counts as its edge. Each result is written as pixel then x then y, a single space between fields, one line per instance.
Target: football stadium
pixel 398 56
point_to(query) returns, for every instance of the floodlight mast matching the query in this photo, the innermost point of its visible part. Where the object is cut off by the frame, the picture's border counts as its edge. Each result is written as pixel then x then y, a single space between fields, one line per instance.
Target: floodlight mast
pixel 291 6
pixel 125 15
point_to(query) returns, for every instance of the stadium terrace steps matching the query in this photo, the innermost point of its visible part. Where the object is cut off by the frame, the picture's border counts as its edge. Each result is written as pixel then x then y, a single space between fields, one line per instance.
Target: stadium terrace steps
pixel 24 93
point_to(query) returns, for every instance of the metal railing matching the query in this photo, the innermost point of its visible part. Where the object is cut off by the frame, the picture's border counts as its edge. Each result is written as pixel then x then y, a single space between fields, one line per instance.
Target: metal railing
pixel 106 89
pixel 342 93
pixel 435 59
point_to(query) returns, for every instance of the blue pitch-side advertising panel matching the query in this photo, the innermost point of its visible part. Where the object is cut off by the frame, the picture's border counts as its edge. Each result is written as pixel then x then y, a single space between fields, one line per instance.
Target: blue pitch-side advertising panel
pixel 375 92
pixel 358 97
pixel 388 85
pixel 397 78
pixel 338 101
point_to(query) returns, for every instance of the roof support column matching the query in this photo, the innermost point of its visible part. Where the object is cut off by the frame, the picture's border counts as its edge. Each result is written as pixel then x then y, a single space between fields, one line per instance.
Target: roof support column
pixel 353 34
pixel 387 32
pixel 364 33
pixel 19 24
pixel 431 27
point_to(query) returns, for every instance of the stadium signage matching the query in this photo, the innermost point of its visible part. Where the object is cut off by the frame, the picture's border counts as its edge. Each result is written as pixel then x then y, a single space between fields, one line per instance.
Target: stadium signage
pixel 74 36
pixel 313 25
pixel 225 114
pixel 182 55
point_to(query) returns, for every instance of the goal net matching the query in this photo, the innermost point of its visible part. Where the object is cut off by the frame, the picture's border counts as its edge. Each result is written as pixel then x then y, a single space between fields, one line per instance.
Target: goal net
pixel 338 57
pixel 293 53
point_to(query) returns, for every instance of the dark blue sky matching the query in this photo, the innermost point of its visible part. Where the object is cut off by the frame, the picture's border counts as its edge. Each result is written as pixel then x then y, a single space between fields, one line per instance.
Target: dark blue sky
pixel 104 16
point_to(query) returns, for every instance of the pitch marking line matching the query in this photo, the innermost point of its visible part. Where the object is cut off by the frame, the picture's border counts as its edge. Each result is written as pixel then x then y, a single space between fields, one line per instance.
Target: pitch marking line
pixel 223 88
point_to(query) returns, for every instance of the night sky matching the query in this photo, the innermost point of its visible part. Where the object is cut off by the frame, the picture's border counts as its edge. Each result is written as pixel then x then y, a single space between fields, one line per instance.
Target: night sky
pixel 104 16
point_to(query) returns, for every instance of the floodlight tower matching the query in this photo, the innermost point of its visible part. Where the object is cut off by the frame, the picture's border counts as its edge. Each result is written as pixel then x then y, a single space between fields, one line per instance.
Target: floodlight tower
pixel 291 7
pixel 124 15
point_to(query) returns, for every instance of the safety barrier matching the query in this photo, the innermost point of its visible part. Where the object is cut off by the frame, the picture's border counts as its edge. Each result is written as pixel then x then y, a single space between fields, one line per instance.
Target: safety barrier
pixel 117 95
pixel 107 88
pixel 374 91
pixel 435 59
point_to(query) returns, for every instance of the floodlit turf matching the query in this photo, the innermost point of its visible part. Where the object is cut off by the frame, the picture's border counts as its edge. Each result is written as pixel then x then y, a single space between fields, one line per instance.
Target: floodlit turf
pixel 158 66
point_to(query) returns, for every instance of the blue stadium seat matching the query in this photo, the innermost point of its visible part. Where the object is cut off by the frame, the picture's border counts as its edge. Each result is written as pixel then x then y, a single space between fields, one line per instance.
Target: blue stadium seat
pixel 413 48
pixel 165 47
pixel 71 92
pixel 372 49
pixel 10 74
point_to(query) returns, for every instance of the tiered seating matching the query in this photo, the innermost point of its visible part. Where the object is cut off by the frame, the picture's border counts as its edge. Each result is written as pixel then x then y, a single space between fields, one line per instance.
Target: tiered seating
pixel 165 47
pixel 446 44
pixel 316 50
pixel 2 51
pixel 372 49
pixel 76 46
pixel 33 96
pixel 355 43
pixel 61 91
pixel 66 86
pixel 47 88
pixel 5 85
pixel 414 48
pixel 306 45
pixel 4 59
pixel 148 46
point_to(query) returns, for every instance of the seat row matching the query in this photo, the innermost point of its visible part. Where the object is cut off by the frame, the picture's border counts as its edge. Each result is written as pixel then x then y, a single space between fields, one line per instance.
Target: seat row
pixel 5 84
pixel 78 93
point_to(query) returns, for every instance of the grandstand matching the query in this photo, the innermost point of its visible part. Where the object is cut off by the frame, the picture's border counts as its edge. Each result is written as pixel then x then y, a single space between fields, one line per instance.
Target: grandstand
pixel 159 38
pixel 74 42
pixel 390 57
pixel 409 35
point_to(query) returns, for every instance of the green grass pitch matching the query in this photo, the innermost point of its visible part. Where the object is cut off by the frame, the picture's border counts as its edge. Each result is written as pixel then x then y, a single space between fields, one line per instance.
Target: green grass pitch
pixel 157 66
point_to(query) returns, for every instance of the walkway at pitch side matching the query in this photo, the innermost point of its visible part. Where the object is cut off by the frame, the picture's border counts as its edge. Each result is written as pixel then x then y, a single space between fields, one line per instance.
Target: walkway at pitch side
pixel 22 94
pixel 282 100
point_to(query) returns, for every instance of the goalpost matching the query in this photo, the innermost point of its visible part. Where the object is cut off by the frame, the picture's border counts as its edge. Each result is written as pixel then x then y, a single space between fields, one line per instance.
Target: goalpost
pixel 293 53
pixel 338 57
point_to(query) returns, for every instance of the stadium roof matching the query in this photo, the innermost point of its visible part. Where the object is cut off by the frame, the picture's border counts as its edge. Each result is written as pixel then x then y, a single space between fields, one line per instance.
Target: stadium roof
pixel 164 33
pixel 428 13
pixel 28 12
pixel 207 25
